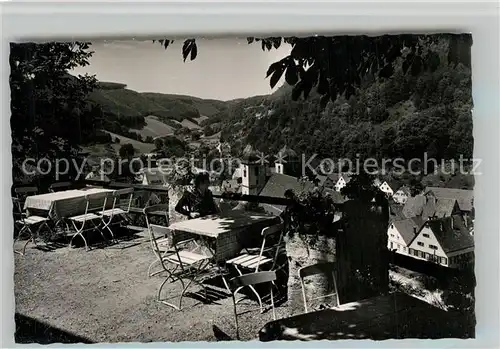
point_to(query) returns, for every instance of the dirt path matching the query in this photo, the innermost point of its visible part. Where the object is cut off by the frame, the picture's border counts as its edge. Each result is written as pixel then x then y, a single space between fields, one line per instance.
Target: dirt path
pixel 104 295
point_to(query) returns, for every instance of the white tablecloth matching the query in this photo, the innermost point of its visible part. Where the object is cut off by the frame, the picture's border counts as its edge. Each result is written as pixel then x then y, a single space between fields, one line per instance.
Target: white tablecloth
pixel 63 204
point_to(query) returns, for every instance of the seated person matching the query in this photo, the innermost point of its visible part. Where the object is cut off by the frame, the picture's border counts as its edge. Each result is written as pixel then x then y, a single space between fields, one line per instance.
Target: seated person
pixel 197 201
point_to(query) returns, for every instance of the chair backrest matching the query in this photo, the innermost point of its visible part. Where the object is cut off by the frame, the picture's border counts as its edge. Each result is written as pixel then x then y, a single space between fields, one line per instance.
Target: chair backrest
pixel 251 279
pixel 60 186
pixel 18 210
pixel 126 192
pixel 152 228
pixel 325 268
pixel 26 190
pixel 97 201
pixel 274 249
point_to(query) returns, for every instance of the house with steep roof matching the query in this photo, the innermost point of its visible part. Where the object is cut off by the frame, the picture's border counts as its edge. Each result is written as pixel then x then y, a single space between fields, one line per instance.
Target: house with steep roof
pixel 414 206
pixel 427 206
pixel 444 241
pixel 401 233
pixel 465 198
pixel 329 181
pixel 401 195
pixel 389 187
pixel 342 181
pixel 395 212
pixel 276 186
pixel 336 196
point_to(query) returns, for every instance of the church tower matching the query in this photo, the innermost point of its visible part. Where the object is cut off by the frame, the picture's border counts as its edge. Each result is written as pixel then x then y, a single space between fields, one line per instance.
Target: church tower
pixel 253 172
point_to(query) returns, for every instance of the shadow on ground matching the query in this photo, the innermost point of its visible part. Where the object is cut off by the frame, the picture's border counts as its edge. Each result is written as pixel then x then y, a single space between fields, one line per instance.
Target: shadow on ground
pixel 29 330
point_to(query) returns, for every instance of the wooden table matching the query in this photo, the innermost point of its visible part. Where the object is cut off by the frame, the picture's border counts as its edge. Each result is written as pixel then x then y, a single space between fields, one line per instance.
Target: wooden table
pixel 395 316
pixel 231 231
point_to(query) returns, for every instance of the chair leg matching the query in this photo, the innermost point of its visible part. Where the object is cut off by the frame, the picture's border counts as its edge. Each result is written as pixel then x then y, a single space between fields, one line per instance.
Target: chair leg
pixel 177 307
pixel 272 302
pixel 150 266
pixel 236 318
pixel 254 291
pixel 79 232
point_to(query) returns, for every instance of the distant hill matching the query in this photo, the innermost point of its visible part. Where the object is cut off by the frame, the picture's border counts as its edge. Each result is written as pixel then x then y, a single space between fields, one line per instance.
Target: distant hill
pixel 150 114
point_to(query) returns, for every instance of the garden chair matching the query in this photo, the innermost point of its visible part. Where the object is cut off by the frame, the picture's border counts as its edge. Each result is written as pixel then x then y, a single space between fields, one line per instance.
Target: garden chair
pixel 119 209
pixel 267 255
pixel 90 221
pixel 21 193
pixel 250 280
pixel 31 224
pixel 326 268
pixel 191 264
pixel 54 187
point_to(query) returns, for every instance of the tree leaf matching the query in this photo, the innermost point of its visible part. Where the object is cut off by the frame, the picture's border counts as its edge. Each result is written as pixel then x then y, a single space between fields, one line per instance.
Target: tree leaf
pixel 250 39
pixel 297 90
pixel 291 73
pixel 272 68
pixel 277 75
pixel 185 49
pixel 277 42
pixel 194 51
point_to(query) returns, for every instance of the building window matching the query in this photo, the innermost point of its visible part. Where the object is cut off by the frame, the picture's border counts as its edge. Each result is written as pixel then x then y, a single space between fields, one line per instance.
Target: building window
pixel 392 235
pixel 425 235
pixel 391 245
pixel 420 243
pixel 404 248
pixel 245 173
pixel 443 260
pixel 434 247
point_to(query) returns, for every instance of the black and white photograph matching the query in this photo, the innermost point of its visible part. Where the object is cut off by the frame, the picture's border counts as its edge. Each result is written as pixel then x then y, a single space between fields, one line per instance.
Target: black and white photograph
pixel 243 188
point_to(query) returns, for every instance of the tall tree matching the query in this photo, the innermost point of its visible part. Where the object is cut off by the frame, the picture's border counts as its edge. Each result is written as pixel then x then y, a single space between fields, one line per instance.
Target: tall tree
pixel 51 115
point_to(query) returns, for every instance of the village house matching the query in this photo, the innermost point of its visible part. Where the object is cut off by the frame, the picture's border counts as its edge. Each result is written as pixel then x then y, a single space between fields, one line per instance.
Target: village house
pixel 429 206
pixel 444 241
pixel 401 195
pixel 401 233
pixel 465 198
pixel 389 187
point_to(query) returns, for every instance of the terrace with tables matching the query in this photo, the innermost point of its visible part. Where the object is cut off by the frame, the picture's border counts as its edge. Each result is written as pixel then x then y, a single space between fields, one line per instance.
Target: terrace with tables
pixel 109 264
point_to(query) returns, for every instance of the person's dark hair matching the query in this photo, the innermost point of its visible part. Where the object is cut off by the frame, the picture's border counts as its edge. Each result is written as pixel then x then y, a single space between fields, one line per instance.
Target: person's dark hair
pixel 289 194
pixel 200 178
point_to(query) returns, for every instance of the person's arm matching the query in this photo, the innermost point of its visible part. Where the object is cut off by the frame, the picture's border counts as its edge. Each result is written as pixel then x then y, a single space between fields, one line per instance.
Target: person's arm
pixel 184 200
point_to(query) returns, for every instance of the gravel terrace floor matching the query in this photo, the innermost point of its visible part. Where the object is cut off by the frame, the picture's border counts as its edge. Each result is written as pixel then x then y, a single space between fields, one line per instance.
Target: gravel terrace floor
pixel 104 295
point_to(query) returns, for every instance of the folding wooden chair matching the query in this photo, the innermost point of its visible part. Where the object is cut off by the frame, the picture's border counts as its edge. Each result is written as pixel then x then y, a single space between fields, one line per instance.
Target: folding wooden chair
pixel 237 283
pixel 327 268
pixel 60 186
pixel 90 221
pixel 189 262
pixel 28 223
pixel 267 255
pixel 119 209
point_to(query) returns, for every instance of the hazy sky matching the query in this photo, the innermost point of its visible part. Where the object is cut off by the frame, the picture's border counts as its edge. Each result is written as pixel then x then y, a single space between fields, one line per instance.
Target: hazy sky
pixel 224 68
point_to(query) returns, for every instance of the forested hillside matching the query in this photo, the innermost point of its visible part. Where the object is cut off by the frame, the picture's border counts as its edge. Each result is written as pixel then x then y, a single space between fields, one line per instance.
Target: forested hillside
pixel 403 116
pixel 124 109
